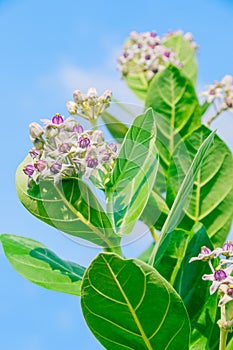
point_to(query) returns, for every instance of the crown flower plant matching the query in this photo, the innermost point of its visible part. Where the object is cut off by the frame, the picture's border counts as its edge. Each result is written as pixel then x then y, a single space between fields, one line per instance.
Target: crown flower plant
pixel 167 169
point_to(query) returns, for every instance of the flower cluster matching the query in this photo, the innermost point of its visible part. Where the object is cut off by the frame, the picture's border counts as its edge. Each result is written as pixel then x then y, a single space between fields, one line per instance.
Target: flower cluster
pixel 221 277
pixel 62 148
pixel 221 92
pixel 90 105
pixel 145 52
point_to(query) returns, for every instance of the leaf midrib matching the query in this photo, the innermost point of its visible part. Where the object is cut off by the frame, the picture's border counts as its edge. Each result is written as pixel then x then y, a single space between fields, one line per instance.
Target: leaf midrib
pixel 133 313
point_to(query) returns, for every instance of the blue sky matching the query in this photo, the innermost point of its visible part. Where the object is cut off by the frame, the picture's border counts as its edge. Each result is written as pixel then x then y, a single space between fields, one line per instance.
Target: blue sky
pixel 48 49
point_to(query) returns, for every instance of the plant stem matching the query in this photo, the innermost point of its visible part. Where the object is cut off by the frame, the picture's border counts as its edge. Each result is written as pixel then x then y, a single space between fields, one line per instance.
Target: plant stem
pixel 94 124
pixel 116 250
pixel 211 119
pixel 154 234
pixel 223 331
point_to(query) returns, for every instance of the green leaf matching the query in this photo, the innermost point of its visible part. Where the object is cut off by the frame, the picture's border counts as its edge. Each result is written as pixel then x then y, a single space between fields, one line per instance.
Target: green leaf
pixel 173 97
pixel 70 207
pixel 186 277
pixel 128 305
pixel 41 266
pixel 205 332
pixel 114 126
pixel 186 54
pixel 138 83
pixel 156 211
pixel 181 199
pixel 211 202
pixel 134 173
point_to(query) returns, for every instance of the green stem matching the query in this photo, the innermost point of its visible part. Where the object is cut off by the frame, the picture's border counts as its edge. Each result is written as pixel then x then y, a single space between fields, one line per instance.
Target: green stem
pixel 211 119
pixel 154 234
pixel 116 250
pixel 223 330
pixel 94 124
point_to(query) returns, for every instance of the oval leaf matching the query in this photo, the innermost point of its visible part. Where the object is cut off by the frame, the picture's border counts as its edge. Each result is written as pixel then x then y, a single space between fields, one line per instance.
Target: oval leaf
pixel 41 266
pixel 128 305
pixel 69 206
pixel 134 173
pixel 212 195
pixel 173 97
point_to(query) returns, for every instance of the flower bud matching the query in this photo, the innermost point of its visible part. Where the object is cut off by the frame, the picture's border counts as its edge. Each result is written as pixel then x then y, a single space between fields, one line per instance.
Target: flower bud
pixel 29 170
pixel 97 137
pixel 92 96
pixel 72 107
pixel 78 96
pixel 36 131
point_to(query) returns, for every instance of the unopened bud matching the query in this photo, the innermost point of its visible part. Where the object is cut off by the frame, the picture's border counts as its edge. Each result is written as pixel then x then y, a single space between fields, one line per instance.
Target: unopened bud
pixel 72 107
pixel 36 131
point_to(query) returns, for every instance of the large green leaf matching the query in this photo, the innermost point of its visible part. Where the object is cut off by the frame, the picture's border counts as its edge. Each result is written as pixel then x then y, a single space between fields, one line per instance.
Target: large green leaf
pixel 186 54
pixel 41 266
pixel 134 173
pixel 128 305
pixel 211 202
pixel 185 189
pixel 69 206
pixel 173 97
pixel 138 83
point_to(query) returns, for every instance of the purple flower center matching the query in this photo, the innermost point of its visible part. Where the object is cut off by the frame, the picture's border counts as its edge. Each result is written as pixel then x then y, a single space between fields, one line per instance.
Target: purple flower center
pixel 147 57
pixel 29 170
pixel 113 146
pixel 167 54
pixel 78 128
pixel 212 92
pixel 64 148
pixel 34 153
pixel 92 161
pixel 40 164
pixel 84 141
pixel 55 167
pixel 205 250
pixel 227 247
pixel 220 275
pixel 126 54
pixel 57 119
pixel 153 34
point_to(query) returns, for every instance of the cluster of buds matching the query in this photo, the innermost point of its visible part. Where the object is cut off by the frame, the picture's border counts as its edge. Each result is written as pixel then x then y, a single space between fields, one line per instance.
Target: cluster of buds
pixel 221 92
pixel 148 53
pixel 90 105
pixel 145 52
pixel 221 276
pixel 187 36
pixel 62 148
